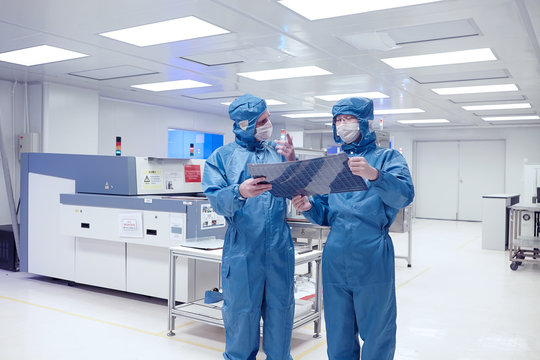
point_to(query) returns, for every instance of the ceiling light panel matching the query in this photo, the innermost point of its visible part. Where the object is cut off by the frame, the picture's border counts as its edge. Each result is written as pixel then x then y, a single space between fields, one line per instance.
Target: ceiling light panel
pixel 185 28
pixel 171 85
pixel 475 89
pixel 511 118
pixel 445 58
pixel 424 121
pixel 285 73
pixel 370 95
pixel 269 102
pixel 497 107
pixel 397 111
pixel 37 55
pixel 322 9
pixel 309 115
pixel 272 102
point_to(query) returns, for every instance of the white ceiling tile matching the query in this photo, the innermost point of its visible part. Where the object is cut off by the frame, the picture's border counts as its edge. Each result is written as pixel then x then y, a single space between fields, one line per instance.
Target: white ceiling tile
pixel 433 31
pixel 483 98
pixel 423 78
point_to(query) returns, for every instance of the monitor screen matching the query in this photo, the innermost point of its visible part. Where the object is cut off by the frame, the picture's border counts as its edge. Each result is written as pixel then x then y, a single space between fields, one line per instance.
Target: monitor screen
pixel 185 144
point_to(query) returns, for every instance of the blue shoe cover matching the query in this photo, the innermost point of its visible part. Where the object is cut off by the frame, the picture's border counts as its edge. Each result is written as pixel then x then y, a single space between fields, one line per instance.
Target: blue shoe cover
pixel 211 296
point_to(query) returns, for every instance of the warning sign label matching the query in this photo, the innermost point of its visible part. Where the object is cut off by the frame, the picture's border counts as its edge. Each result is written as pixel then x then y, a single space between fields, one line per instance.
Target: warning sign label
pixel 192 173
pixel 152 179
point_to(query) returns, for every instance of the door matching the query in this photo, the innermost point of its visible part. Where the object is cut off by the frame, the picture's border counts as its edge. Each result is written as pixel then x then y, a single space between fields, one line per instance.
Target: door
pixel 436 185
pixel 481 172
pixel 452 176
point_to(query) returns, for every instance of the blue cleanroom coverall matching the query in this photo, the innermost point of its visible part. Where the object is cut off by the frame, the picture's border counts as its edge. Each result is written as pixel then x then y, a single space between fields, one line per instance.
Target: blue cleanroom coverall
pixel 258 254
pixel 358 258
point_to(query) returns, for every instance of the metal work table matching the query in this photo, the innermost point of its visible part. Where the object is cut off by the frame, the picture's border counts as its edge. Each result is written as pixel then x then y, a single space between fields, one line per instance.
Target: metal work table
pixel 524 239
pixel 303 229
pixel 211 313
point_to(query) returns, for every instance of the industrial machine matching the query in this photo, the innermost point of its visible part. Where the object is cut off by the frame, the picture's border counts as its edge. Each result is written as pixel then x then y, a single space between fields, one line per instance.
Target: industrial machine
pixel 109 221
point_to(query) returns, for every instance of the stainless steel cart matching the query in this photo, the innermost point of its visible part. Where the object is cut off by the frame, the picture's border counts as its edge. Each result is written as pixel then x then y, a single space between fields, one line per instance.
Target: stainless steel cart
pixel 524 240
pixel 211 313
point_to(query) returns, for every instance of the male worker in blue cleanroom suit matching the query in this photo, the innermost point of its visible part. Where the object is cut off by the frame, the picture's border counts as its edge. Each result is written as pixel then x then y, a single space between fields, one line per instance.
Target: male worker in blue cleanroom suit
pixel 358 258
pixel 258 255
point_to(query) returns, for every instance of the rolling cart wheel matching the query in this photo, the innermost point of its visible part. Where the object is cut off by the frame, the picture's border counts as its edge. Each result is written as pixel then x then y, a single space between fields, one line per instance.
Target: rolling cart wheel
pixel 514 265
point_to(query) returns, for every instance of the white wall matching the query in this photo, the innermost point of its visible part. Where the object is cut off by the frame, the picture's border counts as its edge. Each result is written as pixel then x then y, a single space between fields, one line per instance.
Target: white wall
pixel 35 110
pixel 70 119
pixel 143 128
pixel 522 145
pixel 74 120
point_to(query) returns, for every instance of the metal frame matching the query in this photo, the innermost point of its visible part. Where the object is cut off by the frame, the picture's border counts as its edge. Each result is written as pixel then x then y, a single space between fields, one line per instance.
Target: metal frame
pixel 407 227
pixel 407 257
pixel 211 314
pixel 521 248
pixel 9 193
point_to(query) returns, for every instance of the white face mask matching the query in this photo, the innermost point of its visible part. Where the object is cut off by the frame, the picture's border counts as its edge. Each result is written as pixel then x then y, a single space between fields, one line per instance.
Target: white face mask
pixel 348 132
pixel 264 132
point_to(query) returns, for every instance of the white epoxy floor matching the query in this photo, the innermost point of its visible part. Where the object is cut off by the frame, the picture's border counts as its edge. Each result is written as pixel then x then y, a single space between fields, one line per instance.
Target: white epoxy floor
pixel 457 302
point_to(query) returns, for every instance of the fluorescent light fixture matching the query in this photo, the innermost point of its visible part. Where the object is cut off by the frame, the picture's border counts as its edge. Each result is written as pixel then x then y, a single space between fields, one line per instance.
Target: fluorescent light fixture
pixel 423 121
pixel 370 95
pixel 308 115
pixel 185 28
pixel 286 73
pixel 398 111
pixel 504 118
pixel 497 107
pixel 323 9
pixel 42 54
pixel 171 85
pixel 475 89
pixel 269 102
pixel 445 58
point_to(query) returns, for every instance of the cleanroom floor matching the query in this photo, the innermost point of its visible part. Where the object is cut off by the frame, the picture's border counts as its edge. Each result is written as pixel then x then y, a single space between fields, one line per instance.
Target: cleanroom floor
pixel 457 302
